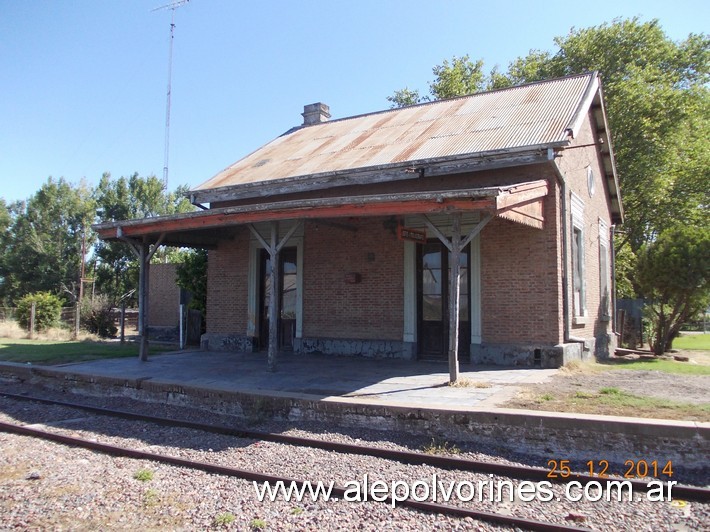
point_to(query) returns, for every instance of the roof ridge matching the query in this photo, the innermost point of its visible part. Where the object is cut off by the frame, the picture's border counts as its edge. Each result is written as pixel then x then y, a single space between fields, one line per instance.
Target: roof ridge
pixel 590 74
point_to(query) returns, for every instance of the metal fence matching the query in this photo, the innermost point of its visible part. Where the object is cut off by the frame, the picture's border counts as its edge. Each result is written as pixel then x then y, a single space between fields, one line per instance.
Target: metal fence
pixel 7 313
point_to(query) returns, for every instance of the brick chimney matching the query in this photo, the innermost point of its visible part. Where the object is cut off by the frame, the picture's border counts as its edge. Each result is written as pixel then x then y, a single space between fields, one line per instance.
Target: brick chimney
pixel 315 113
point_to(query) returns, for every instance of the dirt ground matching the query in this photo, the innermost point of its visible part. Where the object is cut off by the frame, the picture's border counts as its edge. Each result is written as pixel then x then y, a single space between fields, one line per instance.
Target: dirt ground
pixel 577 389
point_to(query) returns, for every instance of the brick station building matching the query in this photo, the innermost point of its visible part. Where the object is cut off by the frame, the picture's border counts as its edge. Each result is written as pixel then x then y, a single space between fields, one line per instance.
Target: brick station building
pixel 476 228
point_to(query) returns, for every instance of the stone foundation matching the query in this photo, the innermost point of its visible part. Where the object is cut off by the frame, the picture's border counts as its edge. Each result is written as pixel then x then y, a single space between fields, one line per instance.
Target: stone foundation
pixel 531 356
pixel 227 342
pixel 358 348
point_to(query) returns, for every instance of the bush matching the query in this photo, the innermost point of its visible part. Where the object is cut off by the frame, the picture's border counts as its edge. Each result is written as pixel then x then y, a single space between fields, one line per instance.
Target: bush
pixel 96 317
pixel 48 308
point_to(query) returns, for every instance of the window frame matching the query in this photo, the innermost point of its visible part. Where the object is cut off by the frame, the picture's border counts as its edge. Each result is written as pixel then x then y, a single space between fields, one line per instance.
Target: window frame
pixel 579 288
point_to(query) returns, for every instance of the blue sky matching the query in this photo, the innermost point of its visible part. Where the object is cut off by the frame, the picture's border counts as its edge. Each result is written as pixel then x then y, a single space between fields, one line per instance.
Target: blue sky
pixel 83 83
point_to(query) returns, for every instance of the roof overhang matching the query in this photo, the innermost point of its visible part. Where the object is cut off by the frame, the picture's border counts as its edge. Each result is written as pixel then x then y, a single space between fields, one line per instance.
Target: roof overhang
pixel 406 170
pixel 521 203
pixel 607 153
pixel 593 101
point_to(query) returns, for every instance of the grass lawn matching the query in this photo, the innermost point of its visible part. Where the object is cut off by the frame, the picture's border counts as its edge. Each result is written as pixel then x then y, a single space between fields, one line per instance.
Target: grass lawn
pixel 692 342
pixel 665 366
pixel 54 352
pixel 615 402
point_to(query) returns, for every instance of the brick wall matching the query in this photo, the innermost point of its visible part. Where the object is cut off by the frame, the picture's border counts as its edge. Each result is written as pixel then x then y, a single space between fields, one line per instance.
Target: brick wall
pixel 521 285
pixel 370 309
pixel 521 293
pixel 227 289
pixel 574 164
pixel 164 296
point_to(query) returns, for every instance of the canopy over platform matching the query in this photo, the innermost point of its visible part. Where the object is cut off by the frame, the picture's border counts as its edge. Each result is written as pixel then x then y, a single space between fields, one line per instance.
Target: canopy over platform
pixel 521 203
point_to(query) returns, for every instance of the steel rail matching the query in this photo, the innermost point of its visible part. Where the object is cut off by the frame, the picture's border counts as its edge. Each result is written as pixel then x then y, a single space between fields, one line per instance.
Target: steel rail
pixel 692 493
pixel 336 492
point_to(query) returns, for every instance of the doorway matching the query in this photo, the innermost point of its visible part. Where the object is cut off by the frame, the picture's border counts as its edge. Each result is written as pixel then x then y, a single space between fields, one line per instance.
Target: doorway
pixel 286 327
pixel 433 277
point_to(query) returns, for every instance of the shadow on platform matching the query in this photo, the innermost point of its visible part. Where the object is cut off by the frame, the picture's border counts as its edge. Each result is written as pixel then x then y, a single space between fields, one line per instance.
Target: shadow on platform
pixel 389 381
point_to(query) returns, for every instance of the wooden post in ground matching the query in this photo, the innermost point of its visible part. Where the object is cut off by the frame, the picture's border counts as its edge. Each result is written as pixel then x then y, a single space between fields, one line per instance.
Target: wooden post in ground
pixel 274 248
pixel 143 252
pixel 275 300
pixel 455 247
pixel 454 298
pixel 144 260
pixel 77 319
pixel 123 322
pixel 33 309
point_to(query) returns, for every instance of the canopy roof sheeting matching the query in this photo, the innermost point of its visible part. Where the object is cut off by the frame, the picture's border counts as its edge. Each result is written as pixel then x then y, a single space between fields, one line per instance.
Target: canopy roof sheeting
pixel 521 203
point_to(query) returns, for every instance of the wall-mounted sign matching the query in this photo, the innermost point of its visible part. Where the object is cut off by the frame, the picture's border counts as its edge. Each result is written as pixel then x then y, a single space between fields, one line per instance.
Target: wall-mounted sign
pixel 413 235
pixel 353 278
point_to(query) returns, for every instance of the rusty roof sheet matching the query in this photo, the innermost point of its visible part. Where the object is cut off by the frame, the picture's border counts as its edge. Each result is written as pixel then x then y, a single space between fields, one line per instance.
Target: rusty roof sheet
pixel 537 114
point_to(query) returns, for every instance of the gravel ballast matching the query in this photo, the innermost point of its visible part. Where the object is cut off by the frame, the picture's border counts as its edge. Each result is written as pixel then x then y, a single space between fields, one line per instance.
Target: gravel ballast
pixel 45 485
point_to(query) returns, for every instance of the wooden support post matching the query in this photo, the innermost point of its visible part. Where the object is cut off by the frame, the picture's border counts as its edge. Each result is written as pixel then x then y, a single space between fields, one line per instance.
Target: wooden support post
pixel 33 310
pixel 143 301
pixel 275 300
pixel 123 322
pixel 274 248
pixel 454 298
pixel 77 319
pixel 455 246
pixel 144 254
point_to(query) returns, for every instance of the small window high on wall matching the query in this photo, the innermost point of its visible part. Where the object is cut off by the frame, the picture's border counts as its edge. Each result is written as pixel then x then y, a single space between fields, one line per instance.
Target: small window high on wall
pixel 579 303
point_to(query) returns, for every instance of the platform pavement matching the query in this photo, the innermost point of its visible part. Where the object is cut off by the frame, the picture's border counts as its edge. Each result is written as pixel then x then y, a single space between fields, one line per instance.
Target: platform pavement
pixel 388 395
pixel 383 381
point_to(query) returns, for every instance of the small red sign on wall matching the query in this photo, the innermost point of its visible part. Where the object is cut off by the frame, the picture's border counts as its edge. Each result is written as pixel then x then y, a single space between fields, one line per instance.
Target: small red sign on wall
pixel 353 278
pixel 413 235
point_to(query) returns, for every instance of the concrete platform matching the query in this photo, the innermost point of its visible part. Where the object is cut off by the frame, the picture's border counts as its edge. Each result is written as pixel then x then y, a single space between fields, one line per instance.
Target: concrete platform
pixel 395 382
pixel 411 397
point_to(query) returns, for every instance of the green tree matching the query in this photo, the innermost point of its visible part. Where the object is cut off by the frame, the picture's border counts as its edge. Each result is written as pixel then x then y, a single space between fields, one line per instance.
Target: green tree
pixel 673 274
pixel 43 243
pixel 459 77
pixel 625 271
pixel 405 97
pixel 192 276
pixel 5 217
pixel 6 221
pixel 658 104
pixel 127 198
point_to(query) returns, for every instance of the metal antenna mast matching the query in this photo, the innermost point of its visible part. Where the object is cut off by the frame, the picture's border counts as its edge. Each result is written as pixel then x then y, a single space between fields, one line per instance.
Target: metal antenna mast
pixel 172 6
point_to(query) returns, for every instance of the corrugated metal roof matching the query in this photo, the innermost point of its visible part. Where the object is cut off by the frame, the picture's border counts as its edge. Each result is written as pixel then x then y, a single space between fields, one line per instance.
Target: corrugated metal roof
pixel 537 114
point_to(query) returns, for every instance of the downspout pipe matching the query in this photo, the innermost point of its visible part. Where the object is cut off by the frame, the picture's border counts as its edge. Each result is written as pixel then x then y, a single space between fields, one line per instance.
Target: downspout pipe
pixel 614 328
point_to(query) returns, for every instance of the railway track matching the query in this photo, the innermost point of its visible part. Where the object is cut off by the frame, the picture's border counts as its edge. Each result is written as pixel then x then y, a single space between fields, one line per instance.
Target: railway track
pixel 408 457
